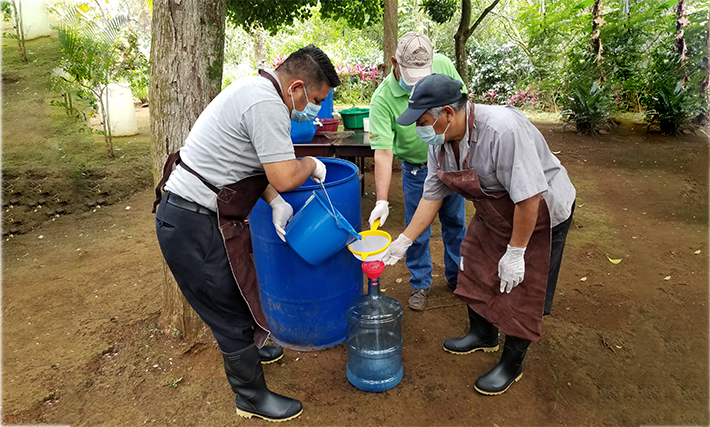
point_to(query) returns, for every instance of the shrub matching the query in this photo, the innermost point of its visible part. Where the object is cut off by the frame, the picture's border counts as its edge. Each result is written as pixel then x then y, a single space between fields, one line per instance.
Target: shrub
pixel 358 83
pixel 673 109
pixel 500 69
pixel 588 109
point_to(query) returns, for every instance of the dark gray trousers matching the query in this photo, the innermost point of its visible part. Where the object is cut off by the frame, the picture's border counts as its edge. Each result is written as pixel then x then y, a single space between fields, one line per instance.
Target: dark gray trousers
pixel 193 249
pixel 559 237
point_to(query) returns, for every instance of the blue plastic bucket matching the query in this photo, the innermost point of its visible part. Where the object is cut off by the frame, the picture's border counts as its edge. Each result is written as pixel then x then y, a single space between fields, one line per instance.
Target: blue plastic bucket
pixel 305 304
pixel 316 232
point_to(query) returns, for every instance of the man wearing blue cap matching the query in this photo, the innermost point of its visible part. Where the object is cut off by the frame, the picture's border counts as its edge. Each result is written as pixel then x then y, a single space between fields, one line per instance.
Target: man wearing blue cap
pixel 524 200
pixel 413 60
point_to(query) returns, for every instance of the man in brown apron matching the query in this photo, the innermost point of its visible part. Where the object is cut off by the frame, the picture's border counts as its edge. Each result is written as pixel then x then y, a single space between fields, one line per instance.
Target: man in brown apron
pixel 238 151
pixel 524 200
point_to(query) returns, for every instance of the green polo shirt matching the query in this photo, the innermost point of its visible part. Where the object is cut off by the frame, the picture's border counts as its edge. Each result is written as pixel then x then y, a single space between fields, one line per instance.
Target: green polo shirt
pixel 388 102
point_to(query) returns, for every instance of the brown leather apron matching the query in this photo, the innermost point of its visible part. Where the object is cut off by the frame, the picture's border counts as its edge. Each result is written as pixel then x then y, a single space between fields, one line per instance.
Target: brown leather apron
pixel 518 313
pixel 234 203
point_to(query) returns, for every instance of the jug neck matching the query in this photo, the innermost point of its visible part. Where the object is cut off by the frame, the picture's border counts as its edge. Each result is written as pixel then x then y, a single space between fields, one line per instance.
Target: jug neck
pixel 373 287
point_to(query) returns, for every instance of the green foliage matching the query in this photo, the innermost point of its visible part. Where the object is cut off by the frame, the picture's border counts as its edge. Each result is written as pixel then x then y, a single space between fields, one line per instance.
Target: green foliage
pixel 358 84
pixel 501 69
pixel 673 108
pixel 440 11
pixel 342 43
pixel 273 15
pixel 269 14
pixel 588 109
pixel 91 59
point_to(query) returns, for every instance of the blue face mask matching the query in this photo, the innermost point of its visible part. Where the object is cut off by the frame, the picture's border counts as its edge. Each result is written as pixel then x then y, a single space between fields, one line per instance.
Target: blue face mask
pixel 404 86
pixel 429 135
pixel 308 114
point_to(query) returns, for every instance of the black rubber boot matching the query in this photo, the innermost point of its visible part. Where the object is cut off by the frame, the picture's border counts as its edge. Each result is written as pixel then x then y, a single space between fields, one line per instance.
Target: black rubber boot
pixel 246 377
pixel 507 371
pixel 270 354
pixel 482 336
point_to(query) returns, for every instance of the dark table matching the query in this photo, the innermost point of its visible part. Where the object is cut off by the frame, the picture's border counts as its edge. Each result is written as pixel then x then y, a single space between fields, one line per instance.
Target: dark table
pixel 354 148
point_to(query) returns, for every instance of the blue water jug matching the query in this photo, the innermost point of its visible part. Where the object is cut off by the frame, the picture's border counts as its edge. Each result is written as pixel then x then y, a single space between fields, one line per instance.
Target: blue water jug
pixel 374 336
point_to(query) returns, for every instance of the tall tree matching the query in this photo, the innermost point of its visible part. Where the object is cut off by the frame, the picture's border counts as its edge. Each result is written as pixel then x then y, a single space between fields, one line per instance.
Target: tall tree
pixel 187 55
pixel 390 33
pixel 464 33
pixel 596 46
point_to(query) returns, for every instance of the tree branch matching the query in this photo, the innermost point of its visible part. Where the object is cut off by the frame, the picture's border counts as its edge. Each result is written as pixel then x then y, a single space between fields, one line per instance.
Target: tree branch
pixel 485 12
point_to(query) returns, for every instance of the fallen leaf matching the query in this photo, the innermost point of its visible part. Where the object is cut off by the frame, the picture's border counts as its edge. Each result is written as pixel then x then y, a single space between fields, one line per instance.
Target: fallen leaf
pixel 667 278
pixel 583 279
pixel 697 252
pixel 613 261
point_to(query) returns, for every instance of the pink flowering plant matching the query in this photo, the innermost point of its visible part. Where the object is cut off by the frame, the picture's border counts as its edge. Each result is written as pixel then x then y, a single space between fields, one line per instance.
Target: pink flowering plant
pixel 359 82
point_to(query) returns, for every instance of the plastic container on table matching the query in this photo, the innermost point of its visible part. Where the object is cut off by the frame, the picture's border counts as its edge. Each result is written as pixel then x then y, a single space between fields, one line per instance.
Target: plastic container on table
pixel 352 117
pixel 374 336
pixel 305 304
pixel 328 125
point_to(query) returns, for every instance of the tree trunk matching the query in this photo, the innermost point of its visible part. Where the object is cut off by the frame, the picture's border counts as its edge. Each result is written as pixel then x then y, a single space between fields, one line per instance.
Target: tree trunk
pixel 460 39
pixel 705 83
pixel 596 45
pixel 187 55
pixel 390 30
pixel 463 34
pixel 259 36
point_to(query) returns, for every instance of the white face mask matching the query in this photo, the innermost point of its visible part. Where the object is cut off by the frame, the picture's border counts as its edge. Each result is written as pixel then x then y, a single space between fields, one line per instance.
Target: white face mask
pixel 429 135
pixel 308 114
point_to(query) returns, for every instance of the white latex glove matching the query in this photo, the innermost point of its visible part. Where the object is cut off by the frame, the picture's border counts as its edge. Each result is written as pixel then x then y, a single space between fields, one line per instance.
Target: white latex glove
pixel 397 249
pixel 511 268
pixel 381 211
pixel 318 175
pixel 282 213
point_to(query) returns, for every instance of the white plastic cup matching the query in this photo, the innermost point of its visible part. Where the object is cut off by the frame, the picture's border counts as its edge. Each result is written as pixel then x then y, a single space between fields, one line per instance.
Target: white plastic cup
pixel 366 124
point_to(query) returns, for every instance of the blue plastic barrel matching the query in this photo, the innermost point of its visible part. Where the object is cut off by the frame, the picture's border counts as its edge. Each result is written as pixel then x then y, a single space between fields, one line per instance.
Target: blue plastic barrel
pixel 326 107
pixel 302 132
pixel 305 304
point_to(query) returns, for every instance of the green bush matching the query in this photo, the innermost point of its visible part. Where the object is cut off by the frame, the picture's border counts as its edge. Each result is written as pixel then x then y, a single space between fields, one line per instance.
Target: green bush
pixel 588 109
pixel 497 69
pixel 673 108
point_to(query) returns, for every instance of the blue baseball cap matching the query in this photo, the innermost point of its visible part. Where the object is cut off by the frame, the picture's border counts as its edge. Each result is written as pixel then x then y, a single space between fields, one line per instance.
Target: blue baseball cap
pixel 434 90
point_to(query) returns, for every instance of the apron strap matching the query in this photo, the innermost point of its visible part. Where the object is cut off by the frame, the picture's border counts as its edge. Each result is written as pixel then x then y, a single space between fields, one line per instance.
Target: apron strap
pixel 271 78
pixel 174 160
pixel 470 135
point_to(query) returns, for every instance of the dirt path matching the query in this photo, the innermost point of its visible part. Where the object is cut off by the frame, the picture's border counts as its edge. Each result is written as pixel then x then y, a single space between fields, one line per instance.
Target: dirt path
pixel 628 345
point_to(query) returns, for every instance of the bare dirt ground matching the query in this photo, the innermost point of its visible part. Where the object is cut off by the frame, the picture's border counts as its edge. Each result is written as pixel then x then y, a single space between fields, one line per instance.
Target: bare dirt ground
pixel 626 344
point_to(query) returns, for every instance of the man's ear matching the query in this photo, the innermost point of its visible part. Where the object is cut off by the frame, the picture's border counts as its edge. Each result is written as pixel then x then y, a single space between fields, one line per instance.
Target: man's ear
pixel 448 110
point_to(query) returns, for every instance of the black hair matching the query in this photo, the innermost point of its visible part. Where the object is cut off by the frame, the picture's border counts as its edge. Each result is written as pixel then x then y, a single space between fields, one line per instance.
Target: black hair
pixel 311 65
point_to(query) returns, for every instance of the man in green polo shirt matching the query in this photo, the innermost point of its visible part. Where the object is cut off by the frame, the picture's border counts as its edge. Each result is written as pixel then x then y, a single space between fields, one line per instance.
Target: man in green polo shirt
pixel 413 60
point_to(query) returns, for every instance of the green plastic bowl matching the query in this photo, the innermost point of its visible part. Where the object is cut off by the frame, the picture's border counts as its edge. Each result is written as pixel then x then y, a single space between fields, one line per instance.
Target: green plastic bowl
pixel 352 117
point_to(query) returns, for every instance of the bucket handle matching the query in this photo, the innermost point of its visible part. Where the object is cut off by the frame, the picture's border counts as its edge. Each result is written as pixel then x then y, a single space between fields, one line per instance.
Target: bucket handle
pixel 331 203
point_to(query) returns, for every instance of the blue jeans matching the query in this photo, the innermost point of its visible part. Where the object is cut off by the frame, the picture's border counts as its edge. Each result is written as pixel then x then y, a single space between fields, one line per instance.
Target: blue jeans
pixel 452 216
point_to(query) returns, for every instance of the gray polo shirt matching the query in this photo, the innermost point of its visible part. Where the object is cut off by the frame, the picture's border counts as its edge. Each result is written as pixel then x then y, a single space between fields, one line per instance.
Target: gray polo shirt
pixel 244 126
pixel 509 154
